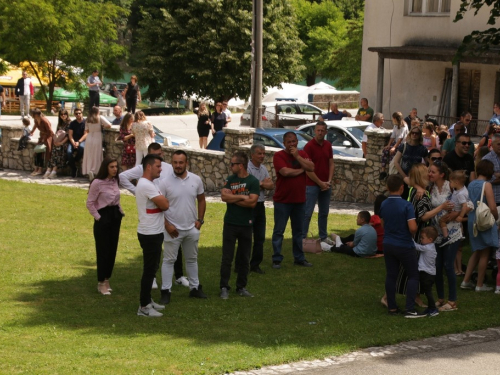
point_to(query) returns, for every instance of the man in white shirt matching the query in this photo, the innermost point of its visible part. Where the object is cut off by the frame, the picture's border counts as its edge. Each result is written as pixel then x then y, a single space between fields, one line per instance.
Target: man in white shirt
pixel 226 111
pixel 93 83
pixel 135 173
pixel 24 90
pixel 378 121
pixel 183 222
pixel 150 206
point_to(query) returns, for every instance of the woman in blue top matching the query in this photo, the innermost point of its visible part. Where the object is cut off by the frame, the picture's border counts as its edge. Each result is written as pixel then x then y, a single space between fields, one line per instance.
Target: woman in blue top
pixel 486 239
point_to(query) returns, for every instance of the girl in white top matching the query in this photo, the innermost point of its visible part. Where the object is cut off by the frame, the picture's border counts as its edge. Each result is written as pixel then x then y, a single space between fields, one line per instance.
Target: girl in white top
pixel 144 136
pixel 398 136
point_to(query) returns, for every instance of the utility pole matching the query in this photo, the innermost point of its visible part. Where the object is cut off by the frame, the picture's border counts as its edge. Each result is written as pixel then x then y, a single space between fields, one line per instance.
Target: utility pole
pixel 256 97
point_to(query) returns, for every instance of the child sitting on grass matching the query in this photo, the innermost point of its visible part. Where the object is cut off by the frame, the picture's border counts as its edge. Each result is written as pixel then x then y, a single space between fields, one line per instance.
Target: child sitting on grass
pixel 461 206
pixel 400 225
pixel 362 244
pixel 427 267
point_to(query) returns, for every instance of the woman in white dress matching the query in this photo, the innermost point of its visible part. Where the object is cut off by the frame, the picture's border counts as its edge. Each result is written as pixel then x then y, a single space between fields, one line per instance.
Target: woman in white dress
pixel 92 156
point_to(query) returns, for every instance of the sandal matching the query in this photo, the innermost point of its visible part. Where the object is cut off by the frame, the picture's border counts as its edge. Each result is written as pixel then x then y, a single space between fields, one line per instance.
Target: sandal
pixel 439 303
pixel 420 303
pixel 449 306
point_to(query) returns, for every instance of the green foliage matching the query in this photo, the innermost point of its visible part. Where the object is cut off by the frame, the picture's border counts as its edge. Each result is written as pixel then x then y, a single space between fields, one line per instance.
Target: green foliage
pixel 478 41
pixel 59 36
pixel 203 47
pixel 333 33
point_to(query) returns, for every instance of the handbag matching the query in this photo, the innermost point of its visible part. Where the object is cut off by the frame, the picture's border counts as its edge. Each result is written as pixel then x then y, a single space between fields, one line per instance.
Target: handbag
pixel 130 149
pixel 310 245
pixel 484 217
pixel 40 148
pixel 59 136
pixel 392 167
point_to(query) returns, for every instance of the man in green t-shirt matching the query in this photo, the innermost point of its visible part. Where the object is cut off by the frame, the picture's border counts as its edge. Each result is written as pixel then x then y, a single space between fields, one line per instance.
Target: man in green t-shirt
pixel 240 192
pixel 365 113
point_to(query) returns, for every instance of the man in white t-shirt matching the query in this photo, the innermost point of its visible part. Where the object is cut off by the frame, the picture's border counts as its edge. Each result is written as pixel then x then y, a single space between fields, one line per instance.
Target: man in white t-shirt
pixel 226 111
pixel 378 120
pixel 135 173
pixel 24 90
pixel 150 206
pixel 183 222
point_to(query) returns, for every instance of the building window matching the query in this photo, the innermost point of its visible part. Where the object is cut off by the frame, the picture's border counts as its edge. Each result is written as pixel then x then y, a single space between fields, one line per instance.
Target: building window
pixel 429 7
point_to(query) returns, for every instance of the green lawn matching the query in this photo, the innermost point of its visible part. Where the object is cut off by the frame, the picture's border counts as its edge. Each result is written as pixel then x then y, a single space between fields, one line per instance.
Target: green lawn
pixel 52 320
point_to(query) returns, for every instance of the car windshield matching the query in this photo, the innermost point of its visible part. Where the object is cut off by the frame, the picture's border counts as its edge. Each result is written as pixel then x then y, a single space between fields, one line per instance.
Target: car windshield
pixel 357 131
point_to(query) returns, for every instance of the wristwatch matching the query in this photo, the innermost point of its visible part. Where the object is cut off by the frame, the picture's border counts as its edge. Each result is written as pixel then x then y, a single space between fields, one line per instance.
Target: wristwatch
pixel 201 221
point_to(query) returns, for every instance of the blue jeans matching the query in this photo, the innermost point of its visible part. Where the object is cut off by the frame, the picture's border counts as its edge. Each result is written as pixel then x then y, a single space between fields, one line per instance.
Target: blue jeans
pixel 72 159
pixel 282 212
pixel 393 256
pixel 313 195
pixel 446 258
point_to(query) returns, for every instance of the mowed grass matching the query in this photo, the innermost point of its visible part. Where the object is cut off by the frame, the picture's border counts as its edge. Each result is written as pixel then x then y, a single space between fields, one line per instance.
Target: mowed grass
pixel 52 320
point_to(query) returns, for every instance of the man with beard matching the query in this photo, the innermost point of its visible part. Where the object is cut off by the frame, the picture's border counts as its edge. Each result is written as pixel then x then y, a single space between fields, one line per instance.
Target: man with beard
pixel 182 224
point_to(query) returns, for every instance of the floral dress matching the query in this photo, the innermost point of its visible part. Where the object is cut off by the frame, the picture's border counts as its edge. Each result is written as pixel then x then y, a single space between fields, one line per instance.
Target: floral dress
pixel 142 132
pixel 438 198
pixel 58 157
pixel 128 158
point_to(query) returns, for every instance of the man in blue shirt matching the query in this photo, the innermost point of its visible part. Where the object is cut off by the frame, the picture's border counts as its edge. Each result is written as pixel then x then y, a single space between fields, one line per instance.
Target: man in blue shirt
pixel 363 243
pixel 334 114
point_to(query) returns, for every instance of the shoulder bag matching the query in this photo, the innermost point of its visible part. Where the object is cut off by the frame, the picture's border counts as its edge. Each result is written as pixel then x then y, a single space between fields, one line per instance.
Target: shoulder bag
pixel 392 167
pixel 484 217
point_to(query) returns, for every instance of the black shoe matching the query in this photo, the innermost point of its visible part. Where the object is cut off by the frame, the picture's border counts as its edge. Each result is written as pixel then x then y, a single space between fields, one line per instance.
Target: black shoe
pixel 303 263
pixel 165 297
pixel 197 293
pixel 394 312
pixel 413 314
pixel 382 176
pixel 276 265
pixel 257 270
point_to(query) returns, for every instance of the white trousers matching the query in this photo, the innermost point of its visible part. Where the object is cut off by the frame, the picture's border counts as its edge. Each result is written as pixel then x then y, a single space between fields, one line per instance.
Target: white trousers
pixel 189 241
pixel 24 104
pixel 139 154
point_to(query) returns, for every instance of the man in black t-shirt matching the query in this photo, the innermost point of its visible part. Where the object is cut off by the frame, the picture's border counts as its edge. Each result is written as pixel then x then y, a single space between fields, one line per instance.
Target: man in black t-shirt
pixel 460 159
pixel 77 136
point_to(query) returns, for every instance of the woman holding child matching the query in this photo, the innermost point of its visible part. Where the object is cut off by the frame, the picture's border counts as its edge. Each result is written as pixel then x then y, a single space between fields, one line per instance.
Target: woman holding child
pixel 440 193
pixel 484 240
pixel 46 134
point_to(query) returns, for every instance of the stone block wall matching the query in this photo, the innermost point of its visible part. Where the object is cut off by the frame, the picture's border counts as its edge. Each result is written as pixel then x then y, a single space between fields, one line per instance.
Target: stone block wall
pixel 355 179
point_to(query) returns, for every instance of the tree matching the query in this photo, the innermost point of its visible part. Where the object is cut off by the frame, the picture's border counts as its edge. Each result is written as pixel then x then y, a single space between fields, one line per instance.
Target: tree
pixel 322 29
pixel 185 47
pixel 50 38
pixel 479 41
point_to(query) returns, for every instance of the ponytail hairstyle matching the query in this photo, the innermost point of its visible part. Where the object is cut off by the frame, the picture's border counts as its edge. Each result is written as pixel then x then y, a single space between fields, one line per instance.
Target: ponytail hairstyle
pixel 398 119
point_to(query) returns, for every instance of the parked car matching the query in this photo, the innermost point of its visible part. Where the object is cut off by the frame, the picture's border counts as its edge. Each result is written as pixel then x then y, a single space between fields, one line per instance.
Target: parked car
pixel 176 140
pixel 345 136
pixel 120 86
pixel 290 113
pixel 270 137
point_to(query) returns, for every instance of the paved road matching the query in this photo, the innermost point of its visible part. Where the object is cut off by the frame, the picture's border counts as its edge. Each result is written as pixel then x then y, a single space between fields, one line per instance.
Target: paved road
pixel 181 125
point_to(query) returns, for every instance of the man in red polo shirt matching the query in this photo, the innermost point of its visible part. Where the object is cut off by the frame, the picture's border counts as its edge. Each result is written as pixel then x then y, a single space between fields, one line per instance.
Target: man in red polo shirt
pixel 289 198
pixel 318 183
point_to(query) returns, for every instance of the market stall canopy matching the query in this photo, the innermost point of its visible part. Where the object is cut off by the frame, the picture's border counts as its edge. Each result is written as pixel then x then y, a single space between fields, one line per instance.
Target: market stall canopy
pixel 61 94
pixel 12 76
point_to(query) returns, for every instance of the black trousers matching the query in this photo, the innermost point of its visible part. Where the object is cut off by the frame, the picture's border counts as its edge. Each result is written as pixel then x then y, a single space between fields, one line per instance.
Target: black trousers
pixel 151 253
pixel 106 235
pixel 131 104
pixel 93 99
pixel 231 234
pixel 426 284
pixel 259 234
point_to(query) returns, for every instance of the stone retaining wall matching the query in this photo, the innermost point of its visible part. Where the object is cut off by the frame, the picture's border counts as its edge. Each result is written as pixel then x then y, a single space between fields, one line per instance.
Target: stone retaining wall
pixel 355 179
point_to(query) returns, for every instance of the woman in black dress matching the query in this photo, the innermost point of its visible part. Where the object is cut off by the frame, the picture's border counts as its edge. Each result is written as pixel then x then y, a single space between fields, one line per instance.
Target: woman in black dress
pixel 219 119
pixel 204 124
pixel 132 94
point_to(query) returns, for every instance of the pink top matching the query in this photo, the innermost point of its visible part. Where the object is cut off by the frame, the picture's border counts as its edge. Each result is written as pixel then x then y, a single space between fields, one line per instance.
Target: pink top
pixel 103 193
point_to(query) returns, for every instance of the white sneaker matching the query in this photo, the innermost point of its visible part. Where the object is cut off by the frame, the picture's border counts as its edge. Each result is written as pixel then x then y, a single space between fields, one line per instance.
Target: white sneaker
pixel 157 306
pixel 182 281
pixel 484 288
pixel 325 247
pixel 466 285
pixel 53 174
pixel 46 175
pixel 328 241
pixel 497 291
pixel 148 311
pixel 336 239
pixel 155 285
